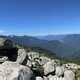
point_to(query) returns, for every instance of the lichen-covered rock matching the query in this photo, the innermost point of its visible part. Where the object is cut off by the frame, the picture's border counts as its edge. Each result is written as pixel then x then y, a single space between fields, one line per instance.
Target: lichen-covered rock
pixel 14 71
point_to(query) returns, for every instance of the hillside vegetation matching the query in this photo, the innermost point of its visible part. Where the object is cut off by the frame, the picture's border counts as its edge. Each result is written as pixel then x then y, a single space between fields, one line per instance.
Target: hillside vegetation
pixel 64 48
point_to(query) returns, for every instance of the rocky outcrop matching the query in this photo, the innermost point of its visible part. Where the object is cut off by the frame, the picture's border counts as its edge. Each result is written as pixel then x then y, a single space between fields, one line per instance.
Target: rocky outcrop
pixel 33 55
pixel 32 66
pixel 22 57
pixel 59 71
pixel 49 67
pixel 69 75
pixel 14 71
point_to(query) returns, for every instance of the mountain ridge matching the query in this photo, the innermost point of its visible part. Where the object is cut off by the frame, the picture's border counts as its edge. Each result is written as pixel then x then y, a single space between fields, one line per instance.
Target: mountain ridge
pixel 62 47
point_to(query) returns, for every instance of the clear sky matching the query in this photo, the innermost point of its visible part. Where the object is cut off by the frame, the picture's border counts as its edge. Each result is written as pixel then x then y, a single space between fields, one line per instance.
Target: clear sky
pixel 39 17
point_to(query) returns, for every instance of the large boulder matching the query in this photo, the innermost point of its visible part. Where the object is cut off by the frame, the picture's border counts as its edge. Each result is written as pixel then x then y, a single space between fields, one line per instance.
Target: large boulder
pixel 22 57
pixel 14 71
pixel 72 66
pixel 59 71
pixel 69 75
pixel 49 67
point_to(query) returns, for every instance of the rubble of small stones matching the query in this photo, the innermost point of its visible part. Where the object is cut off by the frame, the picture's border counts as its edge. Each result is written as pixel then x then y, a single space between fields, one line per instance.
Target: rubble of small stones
pixel 32 66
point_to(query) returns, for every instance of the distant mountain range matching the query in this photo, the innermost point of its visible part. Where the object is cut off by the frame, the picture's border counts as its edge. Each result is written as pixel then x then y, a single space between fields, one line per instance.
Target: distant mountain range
pixel 51 37
pixel 65 46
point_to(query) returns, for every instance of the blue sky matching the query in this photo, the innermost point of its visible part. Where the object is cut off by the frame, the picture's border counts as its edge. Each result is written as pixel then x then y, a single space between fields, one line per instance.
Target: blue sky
pixel 39 17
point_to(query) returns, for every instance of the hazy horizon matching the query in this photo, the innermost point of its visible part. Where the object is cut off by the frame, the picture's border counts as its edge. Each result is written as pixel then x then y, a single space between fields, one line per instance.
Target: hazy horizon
pixel 24 34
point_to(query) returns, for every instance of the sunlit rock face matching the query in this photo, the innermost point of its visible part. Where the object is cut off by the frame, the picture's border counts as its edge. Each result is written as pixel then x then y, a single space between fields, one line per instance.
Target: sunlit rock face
pixel 69 75
pixel 14 71
pixel 59 71
pixel 22 57
pixel 49 67
pixel 39 78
